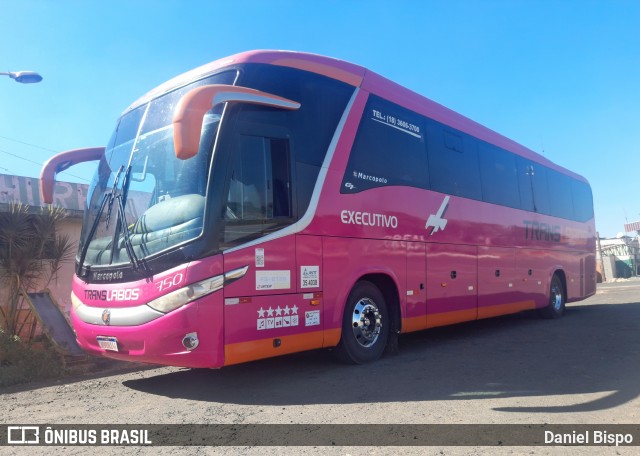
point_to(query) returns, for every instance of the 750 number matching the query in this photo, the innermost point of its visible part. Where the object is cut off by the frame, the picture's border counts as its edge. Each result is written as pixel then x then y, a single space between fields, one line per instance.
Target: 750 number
pixel 169 282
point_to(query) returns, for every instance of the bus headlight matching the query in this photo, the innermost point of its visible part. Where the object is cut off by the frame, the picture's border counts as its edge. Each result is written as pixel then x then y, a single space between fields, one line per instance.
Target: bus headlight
pixel 179 298
pixel 75 301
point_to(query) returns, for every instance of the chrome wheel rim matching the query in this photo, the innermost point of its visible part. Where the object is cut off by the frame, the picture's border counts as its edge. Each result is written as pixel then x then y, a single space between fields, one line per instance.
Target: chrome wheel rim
pixel 366 322
pixel 556 298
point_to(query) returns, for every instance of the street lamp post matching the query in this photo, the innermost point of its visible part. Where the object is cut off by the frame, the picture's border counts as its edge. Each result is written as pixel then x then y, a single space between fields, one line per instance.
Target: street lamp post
pixel 24 77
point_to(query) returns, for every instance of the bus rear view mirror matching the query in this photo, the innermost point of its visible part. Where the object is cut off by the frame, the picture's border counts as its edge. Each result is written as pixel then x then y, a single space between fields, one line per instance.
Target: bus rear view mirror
pixel 189 114
pixel 61 162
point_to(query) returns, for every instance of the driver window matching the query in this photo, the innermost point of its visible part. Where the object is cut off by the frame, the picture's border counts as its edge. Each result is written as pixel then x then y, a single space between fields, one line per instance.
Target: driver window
pixel 259 198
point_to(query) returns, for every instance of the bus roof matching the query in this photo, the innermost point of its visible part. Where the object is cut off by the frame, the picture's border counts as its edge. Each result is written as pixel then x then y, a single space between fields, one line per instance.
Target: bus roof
pixel 327 66
pixel 357 76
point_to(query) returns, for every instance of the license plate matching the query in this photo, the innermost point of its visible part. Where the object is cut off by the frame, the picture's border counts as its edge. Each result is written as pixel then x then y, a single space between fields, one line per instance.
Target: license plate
pixel 108 343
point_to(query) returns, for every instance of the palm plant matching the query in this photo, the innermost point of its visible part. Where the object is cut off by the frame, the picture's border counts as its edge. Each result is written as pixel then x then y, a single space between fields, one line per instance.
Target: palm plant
pixel 31 254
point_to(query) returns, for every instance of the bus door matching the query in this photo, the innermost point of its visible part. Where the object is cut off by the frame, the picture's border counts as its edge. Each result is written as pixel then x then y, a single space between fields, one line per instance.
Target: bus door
pixel 451 284
pixel 265 311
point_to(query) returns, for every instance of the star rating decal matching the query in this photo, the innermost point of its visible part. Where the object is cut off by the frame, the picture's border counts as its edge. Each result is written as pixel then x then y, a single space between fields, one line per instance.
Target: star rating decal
pixel 284 317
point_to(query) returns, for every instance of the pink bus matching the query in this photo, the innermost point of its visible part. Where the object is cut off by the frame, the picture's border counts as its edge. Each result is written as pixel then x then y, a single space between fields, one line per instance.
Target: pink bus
pixel 273 202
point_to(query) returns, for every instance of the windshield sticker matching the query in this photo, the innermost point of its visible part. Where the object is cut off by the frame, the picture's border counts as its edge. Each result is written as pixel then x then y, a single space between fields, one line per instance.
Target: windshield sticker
pixel 280 317
pixel 259 258
pixel 273 280
pixel 436 221
pixel 396 122
pixel 309 276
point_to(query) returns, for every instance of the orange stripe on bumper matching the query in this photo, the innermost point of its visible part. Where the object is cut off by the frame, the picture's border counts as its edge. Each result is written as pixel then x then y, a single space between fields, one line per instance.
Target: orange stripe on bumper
pixel 459 316
pixel 450 318
pixel 332 337
pixel 242 352
pixel 414 324
pixel 505 309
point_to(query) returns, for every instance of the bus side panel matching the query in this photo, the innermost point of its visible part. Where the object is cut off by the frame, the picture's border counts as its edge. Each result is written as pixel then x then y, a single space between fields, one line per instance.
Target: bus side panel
pixel 308 262
pixel 266 326
pixel 451 284
pixel 532 275
pixel 415 318
pixel 265 316
pixel 580 275
pixel 347 260
pixel 571 269
pixel 500 290
pixel 271 268
pixel 589 274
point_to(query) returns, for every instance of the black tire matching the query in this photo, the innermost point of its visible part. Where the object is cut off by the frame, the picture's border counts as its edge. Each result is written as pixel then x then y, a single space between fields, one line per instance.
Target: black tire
pixel 557 300
pixel 365 325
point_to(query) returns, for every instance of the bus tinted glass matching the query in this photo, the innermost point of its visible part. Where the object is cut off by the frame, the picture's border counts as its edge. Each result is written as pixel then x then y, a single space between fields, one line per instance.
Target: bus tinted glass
pixel 312 127
pixel 453 162
pixel 582 201
pixel 561 201
pixel 499 176
pixel 259 196
pixel 532 182
pixel 389 149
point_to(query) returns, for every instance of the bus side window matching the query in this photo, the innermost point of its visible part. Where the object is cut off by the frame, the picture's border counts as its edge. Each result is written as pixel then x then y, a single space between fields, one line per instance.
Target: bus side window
pixel 259 197
pixel 560 198
pixel 499 176
pixel 389 149
pixel 453 162
pixel 532 182
pixel 582 201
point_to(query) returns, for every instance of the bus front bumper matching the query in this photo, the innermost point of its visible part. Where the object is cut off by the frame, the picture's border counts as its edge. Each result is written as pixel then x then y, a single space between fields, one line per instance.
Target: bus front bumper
pixel 190 336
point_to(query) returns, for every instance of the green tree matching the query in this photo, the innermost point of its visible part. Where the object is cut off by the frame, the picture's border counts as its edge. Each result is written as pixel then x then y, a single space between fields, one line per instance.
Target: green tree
pixel 31 254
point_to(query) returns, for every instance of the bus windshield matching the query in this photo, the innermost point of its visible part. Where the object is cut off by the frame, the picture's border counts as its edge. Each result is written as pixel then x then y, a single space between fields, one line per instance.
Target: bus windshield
pixel 143 199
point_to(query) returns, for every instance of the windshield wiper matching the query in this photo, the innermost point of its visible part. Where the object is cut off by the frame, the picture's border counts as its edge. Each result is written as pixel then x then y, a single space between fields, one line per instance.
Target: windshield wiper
pixel 122 225
pixel 107 198
pixel 123 221
pixel 107 201
pixel 112 196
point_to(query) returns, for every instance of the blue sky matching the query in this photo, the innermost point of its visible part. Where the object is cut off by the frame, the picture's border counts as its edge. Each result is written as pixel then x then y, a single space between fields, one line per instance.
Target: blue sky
pixel 560 77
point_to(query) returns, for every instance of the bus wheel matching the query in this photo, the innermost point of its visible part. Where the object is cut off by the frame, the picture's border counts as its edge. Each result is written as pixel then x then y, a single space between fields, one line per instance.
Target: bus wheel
pixel 365 325
pixel 555 308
